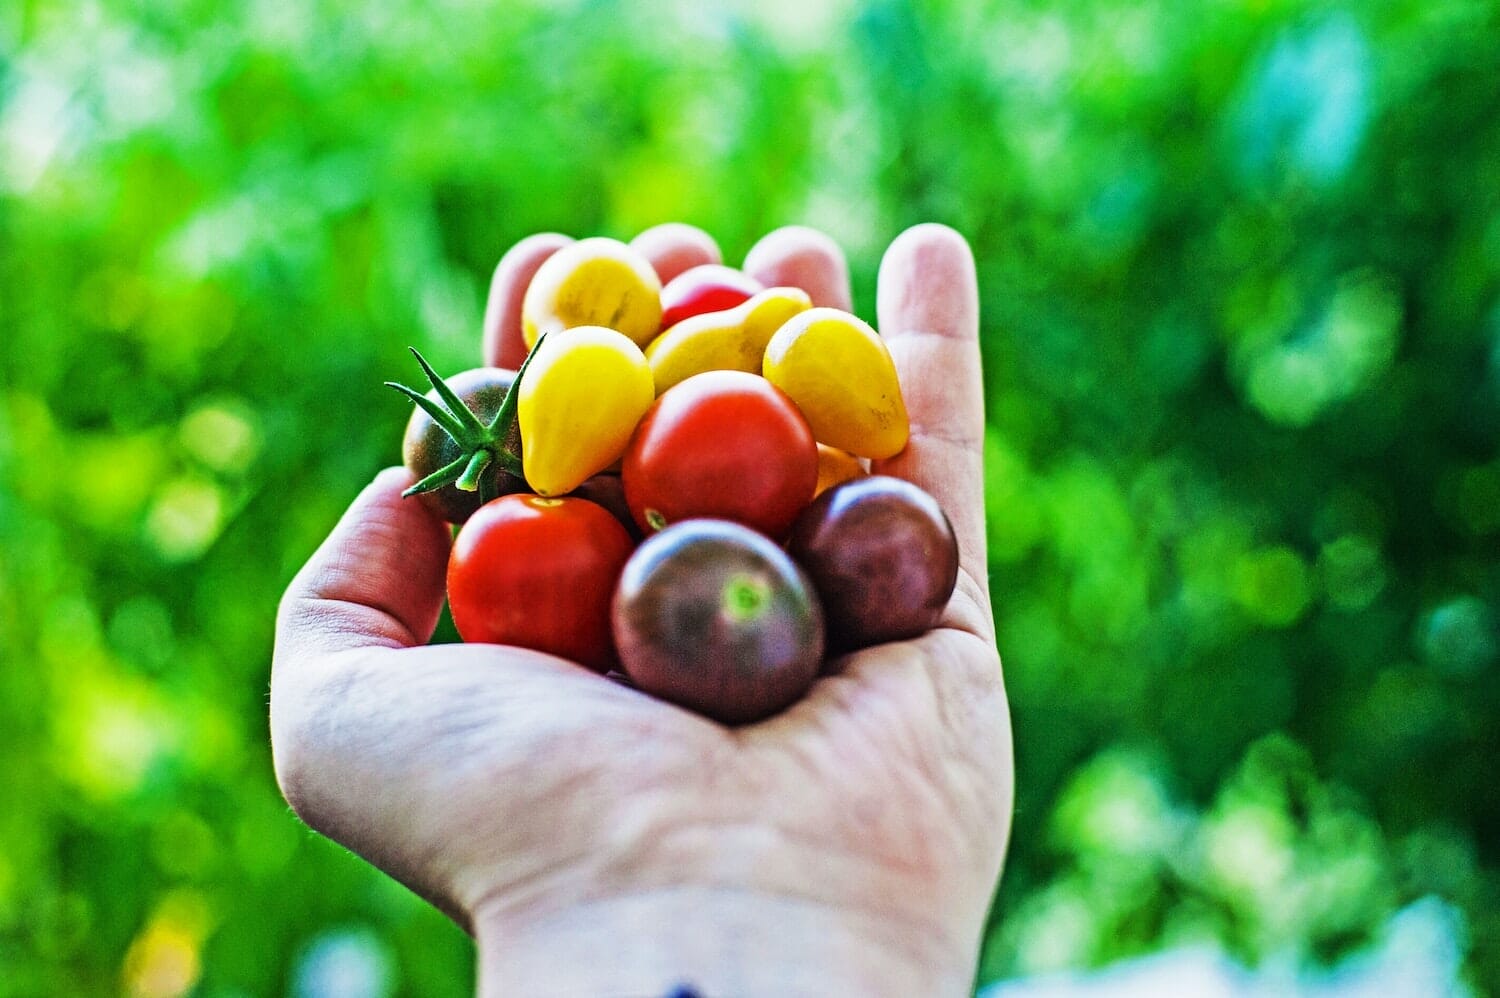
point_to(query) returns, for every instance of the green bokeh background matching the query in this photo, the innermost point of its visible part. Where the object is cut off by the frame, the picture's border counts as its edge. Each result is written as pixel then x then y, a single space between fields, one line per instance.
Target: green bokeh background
pixel 1240 271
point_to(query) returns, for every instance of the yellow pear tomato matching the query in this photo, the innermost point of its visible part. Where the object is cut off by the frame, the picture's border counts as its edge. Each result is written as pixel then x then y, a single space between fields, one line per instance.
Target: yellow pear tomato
pixel 593 282
pixel 839 372
pixel 732 340
pixel 580 398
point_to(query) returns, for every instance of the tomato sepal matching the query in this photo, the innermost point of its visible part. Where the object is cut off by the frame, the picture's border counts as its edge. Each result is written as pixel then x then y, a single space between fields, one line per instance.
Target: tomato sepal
pixel 481 445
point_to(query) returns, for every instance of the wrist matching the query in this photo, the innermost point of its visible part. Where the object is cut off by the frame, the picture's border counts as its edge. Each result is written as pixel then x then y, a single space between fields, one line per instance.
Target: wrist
pixel 715 941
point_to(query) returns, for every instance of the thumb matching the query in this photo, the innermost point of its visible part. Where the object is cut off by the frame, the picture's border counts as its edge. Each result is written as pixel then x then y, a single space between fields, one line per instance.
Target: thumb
pixel 378 580
pixel 929 315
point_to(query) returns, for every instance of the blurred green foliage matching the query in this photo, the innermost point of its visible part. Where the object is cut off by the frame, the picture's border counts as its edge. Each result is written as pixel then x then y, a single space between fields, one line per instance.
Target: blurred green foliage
pixel 1240 268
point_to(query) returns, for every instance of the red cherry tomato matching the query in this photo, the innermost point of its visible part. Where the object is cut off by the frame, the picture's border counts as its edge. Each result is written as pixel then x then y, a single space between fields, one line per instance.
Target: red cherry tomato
pixel 722 444
pixel 708 287
pixel 539 573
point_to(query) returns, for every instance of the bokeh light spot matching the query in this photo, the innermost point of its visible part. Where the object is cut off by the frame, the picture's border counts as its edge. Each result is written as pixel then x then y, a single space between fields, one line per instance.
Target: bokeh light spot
pixel 109 727
pixel 1458 638
pixel 185 518
pixel 1115 805
pixel 1352 571
pixel 1060 930
pixel 183 844
pixel 222 435
pixel 164 960
pixel 347 963
pixel 1354 340
pixel 1248 848
pixel 1479 499
pixel 1272 586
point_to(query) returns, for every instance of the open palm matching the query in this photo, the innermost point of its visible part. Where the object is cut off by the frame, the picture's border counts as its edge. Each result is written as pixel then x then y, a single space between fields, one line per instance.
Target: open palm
pixel 546 808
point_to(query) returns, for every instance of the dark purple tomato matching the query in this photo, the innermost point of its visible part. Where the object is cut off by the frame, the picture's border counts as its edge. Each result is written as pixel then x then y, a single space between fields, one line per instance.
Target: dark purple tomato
pixel 607 490
pixel 882 556
pixel 428 447
pixel 715 617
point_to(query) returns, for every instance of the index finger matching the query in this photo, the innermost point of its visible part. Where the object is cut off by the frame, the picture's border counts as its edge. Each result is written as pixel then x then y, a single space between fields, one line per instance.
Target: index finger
pixel 504 344
pixel 928 309
pixel 377 581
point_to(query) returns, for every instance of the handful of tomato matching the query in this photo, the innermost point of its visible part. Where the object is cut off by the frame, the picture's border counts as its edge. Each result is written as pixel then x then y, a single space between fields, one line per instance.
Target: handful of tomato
pixel 674 485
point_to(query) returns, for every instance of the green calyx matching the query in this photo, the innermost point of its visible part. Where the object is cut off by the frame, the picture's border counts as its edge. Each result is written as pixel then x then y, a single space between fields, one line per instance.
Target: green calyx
pixel 481 446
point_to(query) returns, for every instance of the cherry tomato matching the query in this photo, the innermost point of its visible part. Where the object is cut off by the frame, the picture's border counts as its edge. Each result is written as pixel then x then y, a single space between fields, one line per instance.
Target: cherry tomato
pixel 722 444
pixel 539 573
pixel 716 617
pixel 883 557
pixel 708 287
pixel 428 447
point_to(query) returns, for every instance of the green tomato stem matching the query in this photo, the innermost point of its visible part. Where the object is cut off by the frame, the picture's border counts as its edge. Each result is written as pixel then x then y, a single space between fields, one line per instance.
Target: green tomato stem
pixel 443 476
pixel 470 479
pixel 461 413
pixel 481 446
pixel 439 415
pixel 509 462
pixel 503 434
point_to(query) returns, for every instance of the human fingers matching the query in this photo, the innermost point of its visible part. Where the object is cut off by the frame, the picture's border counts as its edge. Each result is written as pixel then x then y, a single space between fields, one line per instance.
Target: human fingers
pixel 673 247
pixel 504 345
pixel 928 309
pixel 373 739
pixel 799 257
pixel 377 581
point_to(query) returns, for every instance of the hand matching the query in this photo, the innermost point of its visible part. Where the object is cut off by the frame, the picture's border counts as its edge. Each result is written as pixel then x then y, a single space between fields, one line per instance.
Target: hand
pixel 598 841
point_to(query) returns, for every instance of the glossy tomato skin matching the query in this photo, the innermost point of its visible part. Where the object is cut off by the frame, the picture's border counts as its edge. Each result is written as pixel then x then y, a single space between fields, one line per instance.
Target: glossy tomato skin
pixel 715 617
pixel 722 444
pixel 708 287
pixel 539 573
pixel 882 556
pixel 426 446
